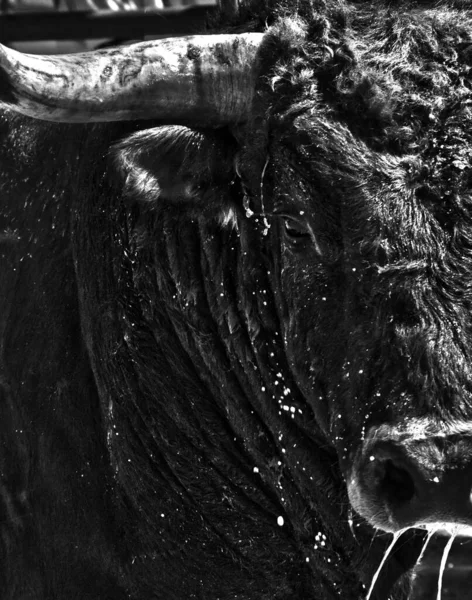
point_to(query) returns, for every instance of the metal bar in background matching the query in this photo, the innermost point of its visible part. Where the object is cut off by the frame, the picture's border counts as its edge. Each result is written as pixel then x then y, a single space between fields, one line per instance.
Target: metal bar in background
pixel 81 25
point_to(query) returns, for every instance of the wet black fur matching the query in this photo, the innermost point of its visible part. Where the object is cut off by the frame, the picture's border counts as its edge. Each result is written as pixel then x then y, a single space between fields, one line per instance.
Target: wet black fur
pixel 171 373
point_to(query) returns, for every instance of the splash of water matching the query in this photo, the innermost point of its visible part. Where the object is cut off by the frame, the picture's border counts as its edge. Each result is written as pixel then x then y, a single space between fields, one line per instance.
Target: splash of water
pixel 396 537
pixel 266 222
pixel 350 521
pixel 443 562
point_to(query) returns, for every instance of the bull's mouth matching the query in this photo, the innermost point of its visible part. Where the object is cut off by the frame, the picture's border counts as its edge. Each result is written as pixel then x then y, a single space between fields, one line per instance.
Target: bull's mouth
pixel 414 486
pixel 402 553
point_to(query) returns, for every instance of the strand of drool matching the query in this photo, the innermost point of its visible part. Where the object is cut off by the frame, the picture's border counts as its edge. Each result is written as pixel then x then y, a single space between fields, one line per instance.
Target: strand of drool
pixel 423 550
pixel 443 562
pixel 396 536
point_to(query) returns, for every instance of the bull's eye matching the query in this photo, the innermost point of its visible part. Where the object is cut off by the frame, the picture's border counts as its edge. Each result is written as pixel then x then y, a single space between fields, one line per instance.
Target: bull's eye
pixel 295 230
pixel 299 237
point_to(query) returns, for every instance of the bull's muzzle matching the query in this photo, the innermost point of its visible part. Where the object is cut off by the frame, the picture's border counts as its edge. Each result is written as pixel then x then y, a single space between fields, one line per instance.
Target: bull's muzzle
pixel 422 478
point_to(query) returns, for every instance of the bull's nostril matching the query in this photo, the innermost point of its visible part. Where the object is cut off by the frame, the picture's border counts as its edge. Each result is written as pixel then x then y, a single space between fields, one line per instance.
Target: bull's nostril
pixel 397 483
pixel 414 481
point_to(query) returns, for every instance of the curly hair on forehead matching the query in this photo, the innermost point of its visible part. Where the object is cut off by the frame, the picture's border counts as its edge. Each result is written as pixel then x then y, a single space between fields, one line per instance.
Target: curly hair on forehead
pixel 266 11
pixel 256 15
pixel 392 71
pixel 396 74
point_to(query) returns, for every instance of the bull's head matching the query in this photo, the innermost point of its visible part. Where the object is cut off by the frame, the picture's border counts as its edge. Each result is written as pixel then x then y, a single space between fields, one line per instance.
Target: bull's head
pixel 363 212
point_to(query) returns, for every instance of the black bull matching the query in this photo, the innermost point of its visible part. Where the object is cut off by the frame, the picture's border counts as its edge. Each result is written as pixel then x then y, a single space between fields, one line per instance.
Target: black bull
pixel 232 359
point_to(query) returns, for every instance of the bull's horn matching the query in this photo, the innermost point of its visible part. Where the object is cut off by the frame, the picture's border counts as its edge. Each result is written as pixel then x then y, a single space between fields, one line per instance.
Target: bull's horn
pixel 196 80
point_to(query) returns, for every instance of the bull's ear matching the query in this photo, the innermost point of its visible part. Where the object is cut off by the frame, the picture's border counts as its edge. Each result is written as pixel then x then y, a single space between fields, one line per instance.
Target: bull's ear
pixel 177 164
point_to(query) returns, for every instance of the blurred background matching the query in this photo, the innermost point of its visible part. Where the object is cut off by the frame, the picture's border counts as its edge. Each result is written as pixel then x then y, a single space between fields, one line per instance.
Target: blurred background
pixel 62 26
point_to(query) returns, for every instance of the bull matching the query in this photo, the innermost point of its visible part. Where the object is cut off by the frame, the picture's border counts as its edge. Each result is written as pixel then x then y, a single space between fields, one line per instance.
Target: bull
pixel 235 307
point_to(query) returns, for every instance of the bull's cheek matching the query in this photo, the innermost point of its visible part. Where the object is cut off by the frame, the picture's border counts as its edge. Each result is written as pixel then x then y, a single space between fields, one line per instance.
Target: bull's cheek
pixel 346 431
pixel 352 413
pixel 305 361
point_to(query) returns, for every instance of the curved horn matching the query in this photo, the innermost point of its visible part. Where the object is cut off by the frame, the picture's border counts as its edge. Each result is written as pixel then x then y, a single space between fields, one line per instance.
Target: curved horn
pixel 196 80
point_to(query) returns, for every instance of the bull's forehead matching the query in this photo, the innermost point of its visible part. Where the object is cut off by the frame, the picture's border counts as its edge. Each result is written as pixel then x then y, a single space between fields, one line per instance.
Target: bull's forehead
pixel 324 167
pixel 393 123
pixel 418 64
